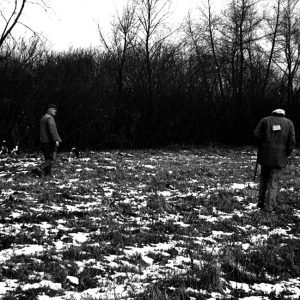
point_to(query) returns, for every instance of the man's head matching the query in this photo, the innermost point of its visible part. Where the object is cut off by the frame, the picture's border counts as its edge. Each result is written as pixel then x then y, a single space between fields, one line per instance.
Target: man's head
pixel 52 109
pixel 278 112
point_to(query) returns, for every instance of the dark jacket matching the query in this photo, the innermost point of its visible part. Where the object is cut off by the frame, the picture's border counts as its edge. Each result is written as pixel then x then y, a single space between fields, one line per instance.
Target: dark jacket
pixel 48 130
pixel 276 141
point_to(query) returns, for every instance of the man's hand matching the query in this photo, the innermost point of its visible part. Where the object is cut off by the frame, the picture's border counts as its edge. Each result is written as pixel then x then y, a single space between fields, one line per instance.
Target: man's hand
pixel 57 143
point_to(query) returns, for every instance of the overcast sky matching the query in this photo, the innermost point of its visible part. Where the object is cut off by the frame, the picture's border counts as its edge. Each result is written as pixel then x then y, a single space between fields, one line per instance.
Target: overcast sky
pixel 73 23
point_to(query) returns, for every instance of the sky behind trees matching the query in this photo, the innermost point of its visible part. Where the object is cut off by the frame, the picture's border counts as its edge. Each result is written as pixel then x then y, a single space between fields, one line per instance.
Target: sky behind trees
pixel 73 23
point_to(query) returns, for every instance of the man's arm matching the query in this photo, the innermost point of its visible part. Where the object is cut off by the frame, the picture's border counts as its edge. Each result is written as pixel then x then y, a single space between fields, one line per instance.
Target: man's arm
pixel 291 140
pixel 53 131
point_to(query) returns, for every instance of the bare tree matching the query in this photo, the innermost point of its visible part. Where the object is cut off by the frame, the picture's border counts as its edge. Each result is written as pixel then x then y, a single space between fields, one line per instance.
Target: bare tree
pixel 11 19
pixel 273 25
pixel 123 36
pixel 197 44
pixel 212 24
pixel 123 29
pixel 288 58
pixel 208 31
pixel 11 12
pixel 152 15
pixel 240 31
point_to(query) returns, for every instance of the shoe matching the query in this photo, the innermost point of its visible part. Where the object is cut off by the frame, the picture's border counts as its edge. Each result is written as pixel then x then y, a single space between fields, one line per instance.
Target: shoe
pixel 47 172
pixel 260 205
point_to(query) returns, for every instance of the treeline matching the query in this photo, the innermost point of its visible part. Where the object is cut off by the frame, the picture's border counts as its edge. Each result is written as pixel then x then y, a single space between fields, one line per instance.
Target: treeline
pixel 145 87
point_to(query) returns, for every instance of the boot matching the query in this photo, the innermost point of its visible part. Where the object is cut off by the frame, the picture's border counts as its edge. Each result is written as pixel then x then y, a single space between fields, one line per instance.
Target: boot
pixel 260 204
pixel 48 172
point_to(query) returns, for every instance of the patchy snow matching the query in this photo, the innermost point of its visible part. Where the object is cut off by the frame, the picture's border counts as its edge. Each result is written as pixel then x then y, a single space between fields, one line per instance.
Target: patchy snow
pixel 8 285
pixel 165 193
pixel 43 283
pixel 149 167
pixel 7 254
pixel 73 280
pixel 297 213
pixel 79 237
pixel 293 286
pixel 102 222
pixel 241 186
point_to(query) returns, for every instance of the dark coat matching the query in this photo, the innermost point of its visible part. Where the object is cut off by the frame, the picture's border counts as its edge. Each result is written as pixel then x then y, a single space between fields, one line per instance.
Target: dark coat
pixel 276 141
pixel 48 130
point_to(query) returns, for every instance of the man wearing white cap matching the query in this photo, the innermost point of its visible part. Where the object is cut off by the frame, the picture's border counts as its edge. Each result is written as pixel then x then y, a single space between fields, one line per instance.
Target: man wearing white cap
pixel 276 140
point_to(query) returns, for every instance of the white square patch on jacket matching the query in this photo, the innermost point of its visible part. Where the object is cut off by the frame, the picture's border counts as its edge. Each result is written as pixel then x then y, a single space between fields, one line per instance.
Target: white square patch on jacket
pixel 276 127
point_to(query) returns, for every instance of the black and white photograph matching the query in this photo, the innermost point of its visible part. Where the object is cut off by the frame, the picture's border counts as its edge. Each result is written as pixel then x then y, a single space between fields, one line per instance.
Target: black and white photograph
pixel 149 149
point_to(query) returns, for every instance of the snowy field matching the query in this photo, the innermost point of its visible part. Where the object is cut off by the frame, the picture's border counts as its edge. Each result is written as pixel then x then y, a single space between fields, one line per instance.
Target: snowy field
pixel 156 224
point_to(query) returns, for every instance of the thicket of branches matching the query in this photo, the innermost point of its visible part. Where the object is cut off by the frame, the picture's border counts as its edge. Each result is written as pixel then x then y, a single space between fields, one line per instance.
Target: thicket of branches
pixel 147 86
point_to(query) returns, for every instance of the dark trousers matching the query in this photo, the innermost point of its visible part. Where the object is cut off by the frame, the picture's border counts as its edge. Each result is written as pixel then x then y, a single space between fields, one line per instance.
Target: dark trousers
pixel 49 152
pixel 268 187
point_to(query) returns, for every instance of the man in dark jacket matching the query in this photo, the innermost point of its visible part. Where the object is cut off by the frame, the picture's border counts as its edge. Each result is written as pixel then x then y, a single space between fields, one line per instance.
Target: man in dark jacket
pixel 49 139
pixel 276 140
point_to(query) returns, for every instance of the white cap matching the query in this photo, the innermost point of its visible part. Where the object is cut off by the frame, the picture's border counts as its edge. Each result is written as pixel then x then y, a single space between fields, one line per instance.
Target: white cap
pixel 278 111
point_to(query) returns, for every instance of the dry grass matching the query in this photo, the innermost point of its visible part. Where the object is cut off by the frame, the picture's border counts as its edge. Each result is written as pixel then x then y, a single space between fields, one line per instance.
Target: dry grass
pixel 161 224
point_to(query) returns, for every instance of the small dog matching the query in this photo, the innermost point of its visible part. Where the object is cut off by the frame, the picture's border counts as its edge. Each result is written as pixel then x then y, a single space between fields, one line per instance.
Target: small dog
pixel 74 153
pixel 15 151
pixel 4 149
